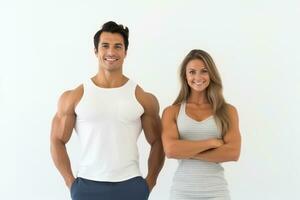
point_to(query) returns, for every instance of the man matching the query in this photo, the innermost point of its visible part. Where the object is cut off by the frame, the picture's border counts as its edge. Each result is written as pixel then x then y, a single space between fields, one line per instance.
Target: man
pixel 108 113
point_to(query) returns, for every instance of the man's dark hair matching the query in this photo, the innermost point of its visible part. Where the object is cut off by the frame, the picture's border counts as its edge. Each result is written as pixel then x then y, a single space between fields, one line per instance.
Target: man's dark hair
pixel 112 27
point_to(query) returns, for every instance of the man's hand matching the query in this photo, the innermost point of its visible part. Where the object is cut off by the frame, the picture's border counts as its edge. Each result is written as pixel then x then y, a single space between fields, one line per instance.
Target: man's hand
pixel 70 182
pixel 150 183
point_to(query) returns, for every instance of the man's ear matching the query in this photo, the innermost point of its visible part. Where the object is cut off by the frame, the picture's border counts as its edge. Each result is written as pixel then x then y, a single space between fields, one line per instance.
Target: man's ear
pixel 95 51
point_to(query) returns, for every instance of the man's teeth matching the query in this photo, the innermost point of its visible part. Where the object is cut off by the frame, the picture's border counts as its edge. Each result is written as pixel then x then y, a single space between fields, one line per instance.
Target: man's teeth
pixel 111 59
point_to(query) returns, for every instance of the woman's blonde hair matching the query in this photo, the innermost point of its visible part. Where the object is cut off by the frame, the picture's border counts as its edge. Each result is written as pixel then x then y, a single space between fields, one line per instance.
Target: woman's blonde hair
pixel 213 91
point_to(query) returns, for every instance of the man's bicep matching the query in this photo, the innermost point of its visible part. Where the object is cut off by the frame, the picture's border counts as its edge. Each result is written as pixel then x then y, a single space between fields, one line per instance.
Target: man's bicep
pixel 151 125
pixel 62 127
pixel 64 120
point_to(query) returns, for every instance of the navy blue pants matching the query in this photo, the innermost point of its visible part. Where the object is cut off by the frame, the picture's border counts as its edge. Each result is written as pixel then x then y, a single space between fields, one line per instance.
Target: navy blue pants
pixel 133 189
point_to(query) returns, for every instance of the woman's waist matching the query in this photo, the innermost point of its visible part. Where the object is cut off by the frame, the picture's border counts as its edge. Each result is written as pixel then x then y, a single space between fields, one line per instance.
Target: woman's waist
pixel 189 166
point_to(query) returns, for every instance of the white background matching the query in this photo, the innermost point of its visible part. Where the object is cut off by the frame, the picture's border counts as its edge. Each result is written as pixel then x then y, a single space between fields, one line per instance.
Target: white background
pixel 46 48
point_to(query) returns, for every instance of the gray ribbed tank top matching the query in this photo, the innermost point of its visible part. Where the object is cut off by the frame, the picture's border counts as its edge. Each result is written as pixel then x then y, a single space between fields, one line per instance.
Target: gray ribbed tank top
pixel 195 179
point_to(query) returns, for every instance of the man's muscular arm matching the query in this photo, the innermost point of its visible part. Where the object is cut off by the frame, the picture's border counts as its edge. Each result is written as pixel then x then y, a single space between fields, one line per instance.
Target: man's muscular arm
pixel 61 131
pixel 152 128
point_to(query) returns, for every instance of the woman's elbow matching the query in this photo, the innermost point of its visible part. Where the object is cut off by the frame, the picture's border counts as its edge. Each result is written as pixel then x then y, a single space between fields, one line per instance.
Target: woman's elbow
pixel 235 155
pixel 171 151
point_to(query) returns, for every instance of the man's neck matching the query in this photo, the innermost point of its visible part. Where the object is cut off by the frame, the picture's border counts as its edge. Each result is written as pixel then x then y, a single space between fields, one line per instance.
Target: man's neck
pixel 109 80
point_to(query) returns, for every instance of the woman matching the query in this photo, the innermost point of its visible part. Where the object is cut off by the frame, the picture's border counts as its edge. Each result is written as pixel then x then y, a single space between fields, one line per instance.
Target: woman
pixel 200 130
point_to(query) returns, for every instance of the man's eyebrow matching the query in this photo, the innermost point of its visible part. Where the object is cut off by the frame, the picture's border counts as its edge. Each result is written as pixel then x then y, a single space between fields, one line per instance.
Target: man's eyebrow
pixel 107 43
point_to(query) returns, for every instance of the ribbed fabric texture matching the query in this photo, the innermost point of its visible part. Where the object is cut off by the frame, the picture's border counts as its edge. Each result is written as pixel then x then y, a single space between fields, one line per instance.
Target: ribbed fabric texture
pixel 195 179
pixel 108 125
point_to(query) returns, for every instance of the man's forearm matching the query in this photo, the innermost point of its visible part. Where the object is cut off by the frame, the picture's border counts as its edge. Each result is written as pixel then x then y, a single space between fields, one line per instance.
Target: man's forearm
pixel 155 162
pixel 62 162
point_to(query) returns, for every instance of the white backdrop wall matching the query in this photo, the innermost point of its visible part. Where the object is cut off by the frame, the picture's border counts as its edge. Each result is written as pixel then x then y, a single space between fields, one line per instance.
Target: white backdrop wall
pixel 47 48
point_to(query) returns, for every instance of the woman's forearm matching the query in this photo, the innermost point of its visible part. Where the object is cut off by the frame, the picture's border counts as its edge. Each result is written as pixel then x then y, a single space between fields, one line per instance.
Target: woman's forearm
pixel 185 149
pixel 223 153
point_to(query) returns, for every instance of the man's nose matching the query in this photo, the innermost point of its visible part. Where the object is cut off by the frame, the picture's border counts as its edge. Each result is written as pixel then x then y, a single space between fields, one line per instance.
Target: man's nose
pixel 111 51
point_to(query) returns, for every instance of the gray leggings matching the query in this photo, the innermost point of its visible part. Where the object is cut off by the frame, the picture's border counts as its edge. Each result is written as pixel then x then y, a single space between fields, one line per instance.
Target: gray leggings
pixel 134 189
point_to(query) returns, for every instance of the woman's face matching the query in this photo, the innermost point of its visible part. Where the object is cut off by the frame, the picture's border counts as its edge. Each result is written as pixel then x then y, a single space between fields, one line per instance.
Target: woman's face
pixel 197 75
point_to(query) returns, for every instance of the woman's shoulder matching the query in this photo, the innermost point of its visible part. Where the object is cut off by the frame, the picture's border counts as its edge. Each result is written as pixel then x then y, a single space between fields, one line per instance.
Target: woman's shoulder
pixel 172 108
pixel 232 111
pixel 172 111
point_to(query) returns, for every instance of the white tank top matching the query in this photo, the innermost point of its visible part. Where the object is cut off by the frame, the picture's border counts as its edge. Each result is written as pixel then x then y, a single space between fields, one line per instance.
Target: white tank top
pixel 108 125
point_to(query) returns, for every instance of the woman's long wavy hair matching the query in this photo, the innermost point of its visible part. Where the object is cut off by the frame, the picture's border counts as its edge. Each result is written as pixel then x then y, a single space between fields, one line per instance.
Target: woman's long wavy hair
pixel 213 91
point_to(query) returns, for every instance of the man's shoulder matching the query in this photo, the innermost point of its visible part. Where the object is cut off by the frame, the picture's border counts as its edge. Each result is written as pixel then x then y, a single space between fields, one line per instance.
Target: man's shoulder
pixel 145 95
pixel 70 98
pixel 146 99
pixel 72 93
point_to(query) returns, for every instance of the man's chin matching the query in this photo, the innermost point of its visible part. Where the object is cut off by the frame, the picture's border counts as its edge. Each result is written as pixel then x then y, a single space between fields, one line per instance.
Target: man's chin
pixel 112 68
